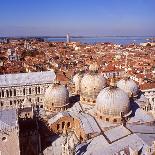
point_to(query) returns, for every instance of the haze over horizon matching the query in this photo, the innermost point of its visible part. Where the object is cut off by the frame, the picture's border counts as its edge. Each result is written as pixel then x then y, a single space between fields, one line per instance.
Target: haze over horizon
pixel 81 17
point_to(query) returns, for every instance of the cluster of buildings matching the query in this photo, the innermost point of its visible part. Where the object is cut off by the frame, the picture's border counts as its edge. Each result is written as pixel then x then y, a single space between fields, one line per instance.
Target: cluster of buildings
pixel 85 99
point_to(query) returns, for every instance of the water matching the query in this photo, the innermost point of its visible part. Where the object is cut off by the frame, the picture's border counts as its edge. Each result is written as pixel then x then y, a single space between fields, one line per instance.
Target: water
pixel 115 40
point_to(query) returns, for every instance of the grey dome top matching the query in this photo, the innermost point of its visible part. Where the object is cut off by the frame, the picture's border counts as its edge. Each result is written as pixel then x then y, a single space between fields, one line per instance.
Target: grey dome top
pixel 129 86
pixel 56 95
pixel 112 101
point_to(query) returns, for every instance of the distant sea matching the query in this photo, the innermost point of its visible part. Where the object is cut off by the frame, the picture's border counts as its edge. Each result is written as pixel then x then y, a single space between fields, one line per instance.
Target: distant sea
pixel 92 40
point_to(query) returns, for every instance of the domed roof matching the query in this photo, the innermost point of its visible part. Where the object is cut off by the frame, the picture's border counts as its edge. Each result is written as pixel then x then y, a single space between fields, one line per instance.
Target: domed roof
pixel 92 84
pixel 129 86
pixel 112 101
pixel 56 95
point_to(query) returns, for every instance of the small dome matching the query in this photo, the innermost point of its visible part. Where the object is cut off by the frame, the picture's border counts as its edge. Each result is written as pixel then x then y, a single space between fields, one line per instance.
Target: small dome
pixel 129 86
pixel 91 85
pixel 56 96
pixel 112 101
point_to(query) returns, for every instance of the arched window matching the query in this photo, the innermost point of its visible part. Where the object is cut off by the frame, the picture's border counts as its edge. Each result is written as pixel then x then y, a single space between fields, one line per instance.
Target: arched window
pixel 63 125
pixel 115 120
pixel 107 119
pixel 68 124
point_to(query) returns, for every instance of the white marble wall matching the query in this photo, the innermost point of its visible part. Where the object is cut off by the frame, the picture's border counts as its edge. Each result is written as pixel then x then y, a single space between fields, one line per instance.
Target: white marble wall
pixel 14 96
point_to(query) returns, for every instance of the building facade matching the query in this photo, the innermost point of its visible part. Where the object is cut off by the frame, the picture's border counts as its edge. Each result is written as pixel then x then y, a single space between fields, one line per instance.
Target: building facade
pixel 14 88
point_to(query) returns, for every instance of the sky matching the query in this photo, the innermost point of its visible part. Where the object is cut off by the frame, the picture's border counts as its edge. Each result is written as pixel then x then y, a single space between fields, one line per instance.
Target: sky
pixel 77 17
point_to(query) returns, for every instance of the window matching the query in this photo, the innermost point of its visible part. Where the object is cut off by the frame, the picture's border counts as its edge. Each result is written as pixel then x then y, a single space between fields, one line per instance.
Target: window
pixel 1 103
pixel 100 117
pixel 63 125
pixel 24 92
pixel 30 99
pixel 107 119
pixel 36 90
pixel 10 102
pixel 10 92
pixel 58 126
pixel 2 93
pixel 30 91
pixel 7 93
pixel 39 90
pixel 4 138
pixel 115 120
pixel 14 92
pixel 68 124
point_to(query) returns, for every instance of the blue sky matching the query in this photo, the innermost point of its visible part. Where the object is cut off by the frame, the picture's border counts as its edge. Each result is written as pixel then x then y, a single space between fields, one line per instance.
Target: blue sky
pixel 78 17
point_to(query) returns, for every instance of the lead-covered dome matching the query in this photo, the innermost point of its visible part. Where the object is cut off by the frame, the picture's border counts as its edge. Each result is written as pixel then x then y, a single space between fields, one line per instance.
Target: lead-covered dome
pixel 112 104
pixel 129 86
pixel 56 97
pixel 91 85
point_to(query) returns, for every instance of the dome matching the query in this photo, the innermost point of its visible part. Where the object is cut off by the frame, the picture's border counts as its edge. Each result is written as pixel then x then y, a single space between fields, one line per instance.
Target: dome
pixel 112 102
pixel 91 85
pixel 56 96
pixel 129 86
